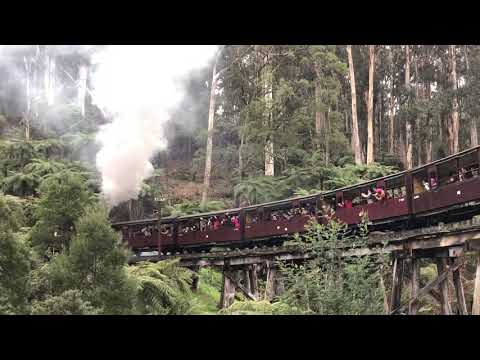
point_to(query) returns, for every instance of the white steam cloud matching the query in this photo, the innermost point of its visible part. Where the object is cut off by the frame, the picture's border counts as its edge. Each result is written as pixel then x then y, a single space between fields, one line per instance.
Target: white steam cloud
pixel 139 86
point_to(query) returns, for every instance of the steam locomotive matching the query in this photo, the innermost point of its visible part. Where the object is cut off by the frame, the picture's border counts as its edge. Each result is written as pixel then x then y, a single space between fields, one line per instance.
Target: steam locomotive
pixel 441 191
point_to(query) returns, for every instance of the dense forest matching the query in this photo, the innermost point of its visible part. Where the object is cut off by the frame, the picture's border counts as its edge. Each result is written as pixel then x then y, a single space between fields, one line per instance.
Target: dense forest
pixel 255 123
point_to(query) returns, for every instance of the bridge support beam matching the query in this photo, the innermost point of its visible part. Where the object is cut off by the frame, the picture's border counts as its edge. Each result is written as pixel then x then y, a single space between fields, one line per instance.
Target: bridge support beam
pixel 270 285
pixel 253 279
pixel 246 280
pixel 444 299
pixel 274 286
pixel 415 285
pixel 457 281
pixel 397 280
pixel 476 291
pixel 228 291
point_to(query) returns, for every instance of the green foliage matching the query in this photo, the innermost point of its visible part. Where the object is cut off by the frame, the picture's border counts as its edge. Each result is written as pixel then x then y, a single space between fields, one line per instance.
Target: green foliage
pixel 260 189
pixel 329 284
pixel 261 307
pixel 14 155
pixel 193 207
pixel 354 174
pixel 64 196
pixel 94 263
pixel 162 287
pixel 207 297
pixel 311 178
pixel 69 302
pixel 20 184
pixel 14 260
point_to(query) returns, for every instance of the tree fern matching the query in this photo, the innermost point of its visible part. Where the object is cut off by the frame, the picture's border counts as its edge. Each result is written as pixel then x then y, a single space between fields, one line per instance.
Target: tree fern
pixel 260 189
pixel 162 287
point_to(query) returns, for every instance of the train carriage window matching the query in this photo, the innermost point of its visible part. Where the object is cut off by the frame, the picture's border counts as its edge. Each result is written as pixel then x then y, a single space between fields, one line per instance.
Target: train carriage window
pixel 447 172
pixel 330 202
pixel 395 187
pixel 366 194
pixel 349 198
pixel 468 165
pixel 420 181
pixel 251 217
pixel 166 229
pixel 309 207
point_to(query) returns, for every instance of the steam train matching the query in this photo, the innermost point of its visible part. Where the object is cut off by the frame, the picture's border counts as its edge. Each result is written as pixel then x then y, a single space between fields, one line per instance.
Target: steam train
pixel 442 191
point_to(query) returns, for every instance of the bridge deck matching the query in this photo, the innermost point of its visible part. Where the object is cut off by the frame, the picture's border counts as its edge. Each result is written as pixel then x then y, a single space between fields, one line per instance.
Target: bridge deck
pixel 440 241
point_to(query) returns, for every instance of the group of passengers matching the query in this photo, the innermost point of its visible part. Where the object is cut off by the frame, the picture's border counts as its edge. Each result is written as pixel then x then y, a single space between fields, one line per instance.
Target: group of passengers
pixel 289 214
pixel 460 176
pixel 213 223
pixel 147 231
pixel 373 194
pixel 216 222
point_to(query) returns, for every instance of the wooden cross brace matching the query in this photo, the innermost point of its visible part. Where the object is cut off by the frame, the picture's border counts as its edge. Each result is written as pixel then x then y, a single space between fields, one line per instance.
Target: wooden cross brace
pixel 432 284
pixel 240 286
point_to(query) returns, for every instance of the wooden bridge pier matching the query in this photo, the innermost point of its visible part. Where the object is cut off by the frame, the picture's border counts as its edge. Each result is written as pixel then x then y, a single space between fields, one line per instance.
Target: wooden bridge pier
pixel 406 270
pixel 244 278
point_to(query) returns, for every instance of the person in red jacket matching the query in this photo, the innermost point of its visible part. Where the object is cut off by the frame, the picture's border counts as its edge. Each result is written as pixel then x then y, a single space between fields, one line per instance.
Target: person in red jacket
pixel 236 222
pixel 380 194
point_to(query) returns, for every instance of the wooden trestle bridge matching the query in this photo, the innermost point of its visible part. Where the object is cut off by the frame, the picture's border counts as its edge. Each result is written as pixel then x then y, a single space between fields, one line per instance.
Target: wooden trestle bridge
pixel 446 245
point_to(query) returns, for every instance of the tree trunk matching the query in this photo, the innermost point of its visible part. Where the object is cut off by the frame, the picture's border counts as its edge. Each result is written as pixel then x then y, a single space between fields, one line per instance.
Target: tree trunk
pixel 371 69
pixel 268 93
pixel 28 93
pixel 391 124
pixel 49 79
pixel 356 147
pixel 418 96
pixel 473 120
pixel 391 106
pixel 319 115
pixel 327 133
pixel 408 124
pixel 319 121
pixel 240 154
pixel 454 124
pixel 429 140
pixel 379 126
pixel 82 87
pixel 211 119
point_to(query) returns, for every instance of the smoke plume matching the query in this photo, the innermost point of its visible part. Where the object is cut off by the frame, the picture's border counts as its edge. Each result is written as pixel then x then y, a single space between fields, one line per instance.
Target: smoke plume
pixel 140 87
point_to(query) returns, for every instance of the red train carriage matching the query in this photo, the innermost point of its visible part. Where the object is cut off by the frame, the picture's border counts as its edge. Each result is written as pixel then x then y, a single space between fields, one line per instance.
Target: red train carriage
pixel 447 187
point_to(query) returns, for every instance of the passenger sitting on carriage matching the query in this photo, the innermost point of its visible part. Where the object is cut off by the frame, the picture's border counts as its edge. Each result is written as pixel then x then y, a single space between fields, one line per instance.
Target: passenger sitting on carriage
pixel 461 174
pixel 433 183
pixel 426 185
pixel 380 194
pixel 348 204
pixel 340 204
pixel 369 195
pixel 216 223
pixel 287 215
pixel 452 178
pixel 474 170
pixel 236 222
pixel 327 212
pixel 164 230
pixel 203 225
